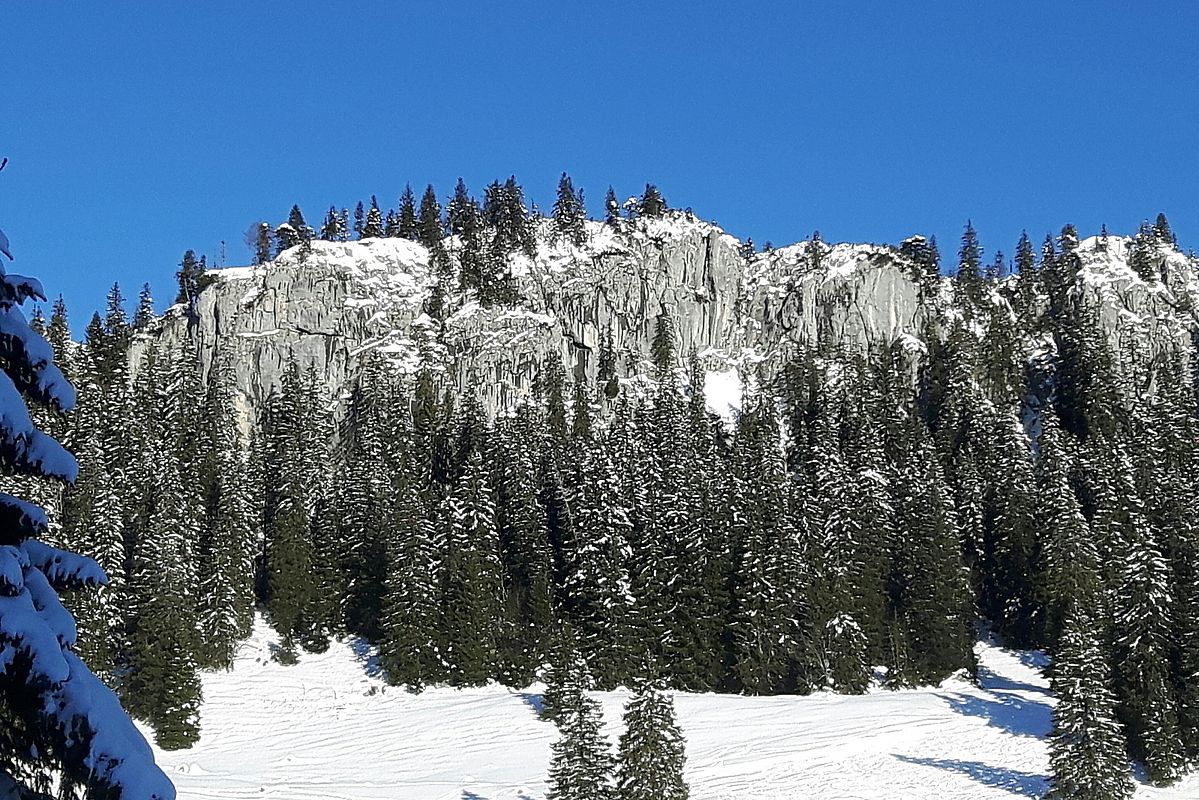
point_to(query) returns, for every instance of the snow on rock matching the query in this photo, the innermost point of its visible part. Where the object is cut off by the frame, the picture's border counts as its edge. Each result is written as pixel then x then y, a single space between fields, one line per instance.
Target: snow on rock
pixel 722 392
pixel 346 302
pixel 330 728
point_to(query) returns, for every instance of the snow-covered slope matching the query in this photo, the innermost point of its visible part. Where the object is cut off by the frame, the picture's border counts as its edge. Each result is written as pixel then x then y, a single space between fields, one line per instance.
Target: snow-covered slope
pixel 330 728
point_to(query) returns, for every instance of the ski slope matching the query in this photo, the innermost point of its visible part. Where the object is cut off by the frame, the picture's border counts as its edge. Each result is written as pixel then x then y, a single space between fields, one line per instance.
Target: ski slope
pixel 331 728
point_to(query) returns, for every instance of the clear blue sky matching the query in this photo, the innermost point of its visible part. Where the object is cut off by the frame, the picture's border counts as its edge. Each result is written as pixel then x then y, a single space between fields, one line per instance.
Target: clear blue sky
pixel 138 130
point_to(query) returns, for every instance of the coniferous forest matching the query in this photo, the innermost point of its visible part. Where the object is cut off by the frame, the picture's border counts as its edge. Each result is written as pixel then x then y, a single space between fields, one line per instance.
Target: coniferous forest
pixel 866 517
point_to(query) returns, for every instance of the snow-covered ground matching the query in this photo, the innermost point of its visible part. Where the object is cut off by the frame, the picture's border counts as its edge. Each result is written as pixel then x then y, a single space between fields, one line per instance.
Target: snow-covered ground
pixel 330 728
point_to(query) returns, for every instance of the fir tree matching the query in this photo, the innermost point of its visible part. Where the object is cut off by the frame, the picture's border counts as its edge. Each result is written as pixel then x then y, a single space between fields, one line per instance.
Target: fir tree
pixel 359 220
pixel 429 230
pixel 1087 757
pixel 144 314
pixel 581 760
pixel 58 723
pixel 332 229
pixel 408 224
pixel 462 211
pixel 652 205
pixel 570 213
pixel 651 754
pixel 189 277
pixel 372 227
pixel 611 207
pixel 472 582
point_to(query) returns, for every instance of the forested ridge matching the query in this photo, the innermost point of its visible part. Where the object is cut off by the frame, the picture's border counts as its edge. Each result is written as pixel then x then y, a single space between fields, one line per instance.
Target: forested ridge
pixel 869 507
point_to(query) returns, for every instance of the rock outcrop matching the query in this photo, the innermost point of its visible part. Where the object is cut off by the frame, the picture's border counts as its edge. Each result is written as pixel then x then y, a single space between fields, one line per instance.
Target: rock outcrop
pixel 344 301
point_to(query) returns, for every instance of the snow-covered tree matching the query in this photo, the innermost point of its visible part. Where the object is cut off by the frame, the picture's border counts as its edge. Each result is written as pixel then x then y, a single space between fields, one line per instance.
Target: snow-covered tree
pixel 1087 757
pixel 570 213
pixel 373 226
pixel 650 756
pixel 57 718
pixel 581 760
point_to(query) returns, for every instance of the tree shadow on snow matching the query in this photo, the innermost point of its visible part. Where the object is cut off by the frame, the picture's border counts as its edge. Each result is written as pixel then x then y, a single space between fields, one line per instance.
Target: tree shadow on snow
pixel 991 680
pixel 1034 659
pixel 533 701
pixel 1024 784
pixel 366 655
pixel 1007 711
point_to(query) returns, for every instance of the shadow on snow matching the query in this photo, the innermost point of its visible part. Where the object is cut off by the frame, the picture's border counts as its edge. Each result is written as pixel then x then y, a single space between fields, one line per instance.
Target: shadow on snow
pixel 1024 784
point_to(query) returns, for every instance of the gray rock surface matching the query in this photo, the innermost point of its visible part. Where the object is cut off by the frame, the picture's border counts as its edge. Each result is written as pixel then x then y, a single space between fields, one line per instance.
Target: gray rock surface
pixel 346 301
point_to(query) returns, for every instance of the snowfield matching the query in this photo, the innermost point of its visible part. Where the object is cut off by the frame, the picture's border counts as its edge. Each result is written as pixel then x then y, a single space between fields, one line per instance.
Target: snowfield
pixel 331 728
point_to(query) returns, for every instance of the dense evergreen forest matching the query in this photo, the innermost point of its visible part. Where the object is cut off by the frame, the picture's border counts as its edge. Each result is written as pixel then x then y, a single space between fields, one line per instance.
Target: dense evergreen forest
pixel 866 516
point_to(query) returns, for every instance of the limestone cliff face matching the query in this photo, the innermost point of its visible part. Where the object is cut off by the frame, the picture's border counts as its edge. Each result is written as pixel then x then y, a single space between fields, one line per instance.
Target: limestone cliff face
pixel 346 301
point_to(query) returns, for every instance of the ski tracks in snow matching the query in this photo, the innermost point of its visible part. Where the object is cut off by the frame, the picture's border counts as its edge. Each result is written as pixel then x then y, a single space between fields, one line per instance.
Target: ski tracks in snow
pixel 326 729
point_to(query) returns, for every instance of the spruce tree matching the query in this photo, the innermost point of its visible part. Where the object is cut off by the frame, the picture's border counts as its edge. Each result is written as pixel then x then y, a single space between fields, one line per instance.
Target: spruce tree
pixel 611 207
pixel 144 314
pixel 189 278
pixel 162 684
pixel 58 723
pixel 391 224
pixel 372 227
pixel 767 617
pixel 570 213
pixel 969 275
pixel 359 220
pixel 650 755
pixel 261 238
pixel 652 204
pixel 289 557
pixel 408 225
pixel 581 760
pixel 331 229
pixel 524 537
pixel 1070 565
pixel 462 211
pixel 1143 629
pixel 429 230
pixel 1087 758
pixel 596 586
pixel 472 581
pixel 226 545
pixel 411 603
pixel 929 585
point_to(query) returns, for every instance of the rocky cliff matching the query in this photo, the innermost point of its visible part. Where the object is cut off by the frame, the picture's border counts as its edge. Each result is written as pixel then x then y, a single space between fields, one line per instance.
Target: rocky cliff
pixel 344 301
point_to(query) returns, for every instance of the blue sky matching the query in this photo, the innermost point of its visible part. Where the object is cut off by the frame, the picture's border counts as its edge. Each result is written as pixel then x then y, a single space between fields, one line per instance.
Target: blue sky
pixel 138 130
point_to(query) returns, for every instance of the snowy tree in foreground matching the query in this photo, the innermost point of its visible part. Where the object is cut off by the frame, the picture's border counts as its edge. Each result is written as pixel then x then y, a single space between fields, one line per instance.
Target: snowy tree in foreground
pixel 55 715
pixel 1087 754
pixel 650 759
pixel 581 761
